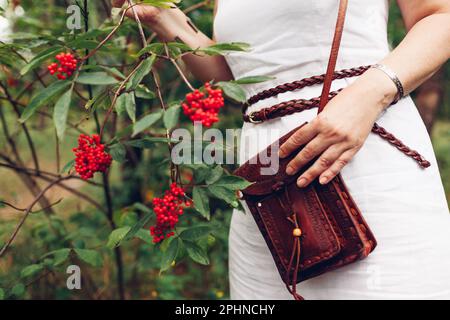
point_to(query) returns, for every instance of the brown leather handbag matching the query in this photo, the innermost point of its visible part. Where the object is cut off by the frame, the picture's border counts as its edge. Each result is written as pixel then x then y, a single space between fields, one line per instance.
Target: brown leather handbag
pixel 311 230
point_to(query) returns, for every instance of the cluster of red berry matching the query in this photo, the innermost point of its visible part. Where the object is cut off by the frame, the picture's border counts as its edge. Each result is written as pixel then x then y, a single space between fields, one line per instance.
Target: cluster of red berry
pixel 66 65
pixel 90 156
pixel 204 106
pixel 167 210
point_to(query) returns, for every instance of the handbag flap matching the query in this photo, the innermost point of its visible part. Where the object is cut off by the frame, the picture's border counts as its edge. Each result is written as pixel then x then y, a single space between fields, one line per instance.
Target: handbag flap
pixel 264 184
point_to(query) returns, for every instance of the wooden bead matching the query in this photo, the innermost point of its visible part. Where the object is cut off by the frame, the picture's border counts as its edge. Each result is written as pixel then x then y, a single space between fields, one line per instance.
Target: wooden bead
pixel 297 232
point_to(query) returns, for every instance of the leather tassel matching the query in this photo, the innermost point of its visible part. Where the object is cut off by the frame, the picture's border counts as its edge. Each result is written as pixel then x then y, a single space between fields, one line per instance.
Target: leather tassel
pixel 296 251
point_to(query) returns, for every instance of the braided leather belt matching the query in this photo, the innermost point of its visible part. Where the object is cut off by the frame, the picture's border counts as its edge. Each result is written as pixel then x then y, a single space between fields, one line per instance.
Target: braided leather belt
pixel 298 105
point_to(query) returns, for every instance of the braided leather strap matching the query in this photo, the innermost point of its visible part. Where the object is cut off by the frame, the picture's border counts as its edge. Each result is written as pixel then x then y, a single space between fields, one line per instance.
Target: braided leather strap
pixel 300 84
pixel 285 108
pixel 299 105
pixel 389 137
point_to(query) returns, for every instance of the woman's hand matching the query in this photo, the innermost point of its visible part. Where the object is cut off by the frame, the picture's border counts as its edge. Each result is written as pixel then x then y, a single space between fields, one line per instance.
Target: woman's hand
pixel 338 132
pixel 146 13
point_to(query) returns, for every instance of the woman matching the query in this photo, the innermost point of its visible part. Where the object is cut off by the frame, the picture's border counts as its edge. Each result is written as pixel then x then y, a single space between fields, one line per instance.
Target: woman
pixel 405 206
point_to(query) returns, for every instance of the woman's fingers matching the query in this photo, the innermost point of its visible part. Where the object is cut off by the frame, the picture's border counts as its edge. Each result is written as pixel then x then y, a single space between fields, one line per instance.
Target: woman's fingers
pixel 299 138
pixel 117 3
pixel 314 148
pixel 322 164
pixel 337 166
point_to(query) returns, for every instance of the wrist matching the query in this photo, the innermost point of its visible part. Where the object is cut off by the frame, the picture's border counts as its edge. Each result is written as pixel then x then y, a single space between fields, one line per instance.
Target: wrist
pixel 375 86
pixel 172 24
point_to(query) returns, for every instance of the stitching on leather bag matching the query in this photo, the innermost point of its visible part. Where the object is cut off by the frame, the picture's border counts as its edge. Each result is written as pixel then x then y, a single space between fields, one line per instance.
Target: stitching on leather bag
pixel 313 205
pixel 369 240
pixel 333 195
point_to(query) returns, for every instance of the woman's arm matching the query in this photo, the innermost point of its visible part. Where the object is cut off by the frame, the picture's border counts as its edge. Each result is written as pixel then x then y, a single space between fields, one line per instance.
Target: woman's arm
pixel 340 130
pixel 172 25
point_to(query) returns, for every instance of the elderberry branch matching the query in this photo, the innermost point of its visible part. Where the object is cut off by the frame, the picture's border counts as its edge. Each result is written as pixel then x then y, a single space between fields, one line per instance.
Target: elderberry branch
pixel 27 213
pixel 180 71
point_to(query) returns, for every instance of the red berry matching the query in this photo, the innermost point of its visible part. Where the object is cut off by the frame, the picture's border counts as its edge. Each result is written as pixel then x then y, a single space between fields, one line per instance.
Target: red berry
pixel 65 67
pixel 204 107
pixel 167 210
pixel 90 156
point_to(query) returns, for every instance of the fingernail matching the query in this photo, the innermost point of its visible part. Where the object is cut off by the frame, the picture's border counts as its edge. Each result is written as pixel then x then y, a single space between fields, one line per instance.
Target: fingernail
pixel 323 180
pixel 290 170
pixel 301 182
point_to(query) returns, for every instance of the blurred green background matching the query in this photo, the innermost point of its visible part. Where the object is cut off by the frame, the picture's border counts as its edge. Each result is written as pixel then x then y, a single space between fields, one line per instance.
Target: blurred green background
pixel 137 181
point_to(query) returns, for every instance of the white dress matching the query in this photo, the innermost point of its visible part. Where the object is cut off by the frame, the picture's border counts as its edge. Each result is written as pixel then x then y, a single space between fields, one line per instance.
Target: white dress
pixel 404 205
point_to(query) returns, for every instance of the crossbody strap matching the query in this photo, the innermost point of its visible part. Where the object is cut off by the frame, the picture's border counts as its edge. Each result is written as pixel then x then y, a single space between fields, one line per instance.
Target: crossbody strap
pixel 324 98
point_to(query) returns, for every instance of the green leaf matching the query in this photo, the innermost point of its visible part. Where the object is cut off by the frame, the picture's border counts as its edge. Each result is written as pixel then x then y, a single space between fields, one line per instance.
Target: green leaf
pixel 142 207
pixel 223 48
pixel 83 44
pixel 177 48
pixel 161 3
pixel 171 117
pixel 40 58
pixel 224 194
pixel 201 201
pixel 233 91
pixel 145 236
pixel 233 183
pixel 118 152
pixel 146 122
pixel 69 165
pixel 214 175
pixel 121 104
pixel 89 256
pixel 60 256
pixel 43 97
pixel 253 79
pixel 116 237
pixel 196 253
pixel 201 172
pixel 195 233
pixel 143 92
pixel 170 254
pixel 141 72
pixel 156 48
pixel 18 290
pixel 96 78
pixel 30 270
pixel 2 294
pixel 138 226
pixel 130 106
pixel 149 142
pixel 61 112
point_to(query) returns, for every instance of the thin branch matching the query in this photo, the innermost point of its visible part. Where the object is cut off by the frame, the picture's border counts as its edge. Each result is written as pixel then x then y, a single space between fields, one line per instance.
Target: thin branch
pixel 172 60
pixel 106 39
pixel 25 209
pixel 67 188
pixel 138 21
pixel 33 172
pixel 197 6
pixel 117 94
pixel 25 128
pixel 27 213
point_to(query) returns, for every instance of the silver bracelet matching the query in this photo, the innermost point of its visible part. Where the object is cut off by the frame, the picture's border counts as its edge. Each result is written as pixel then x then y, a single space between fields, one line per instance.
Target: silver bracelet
pixel 391 74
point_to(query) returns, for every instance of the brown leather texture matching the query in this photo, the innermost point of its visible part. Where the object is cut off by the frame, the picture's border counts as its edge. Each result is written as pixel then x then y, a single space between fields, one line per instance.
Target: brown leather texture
pixel 334 232
pixel 335 45
pixel 300 84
